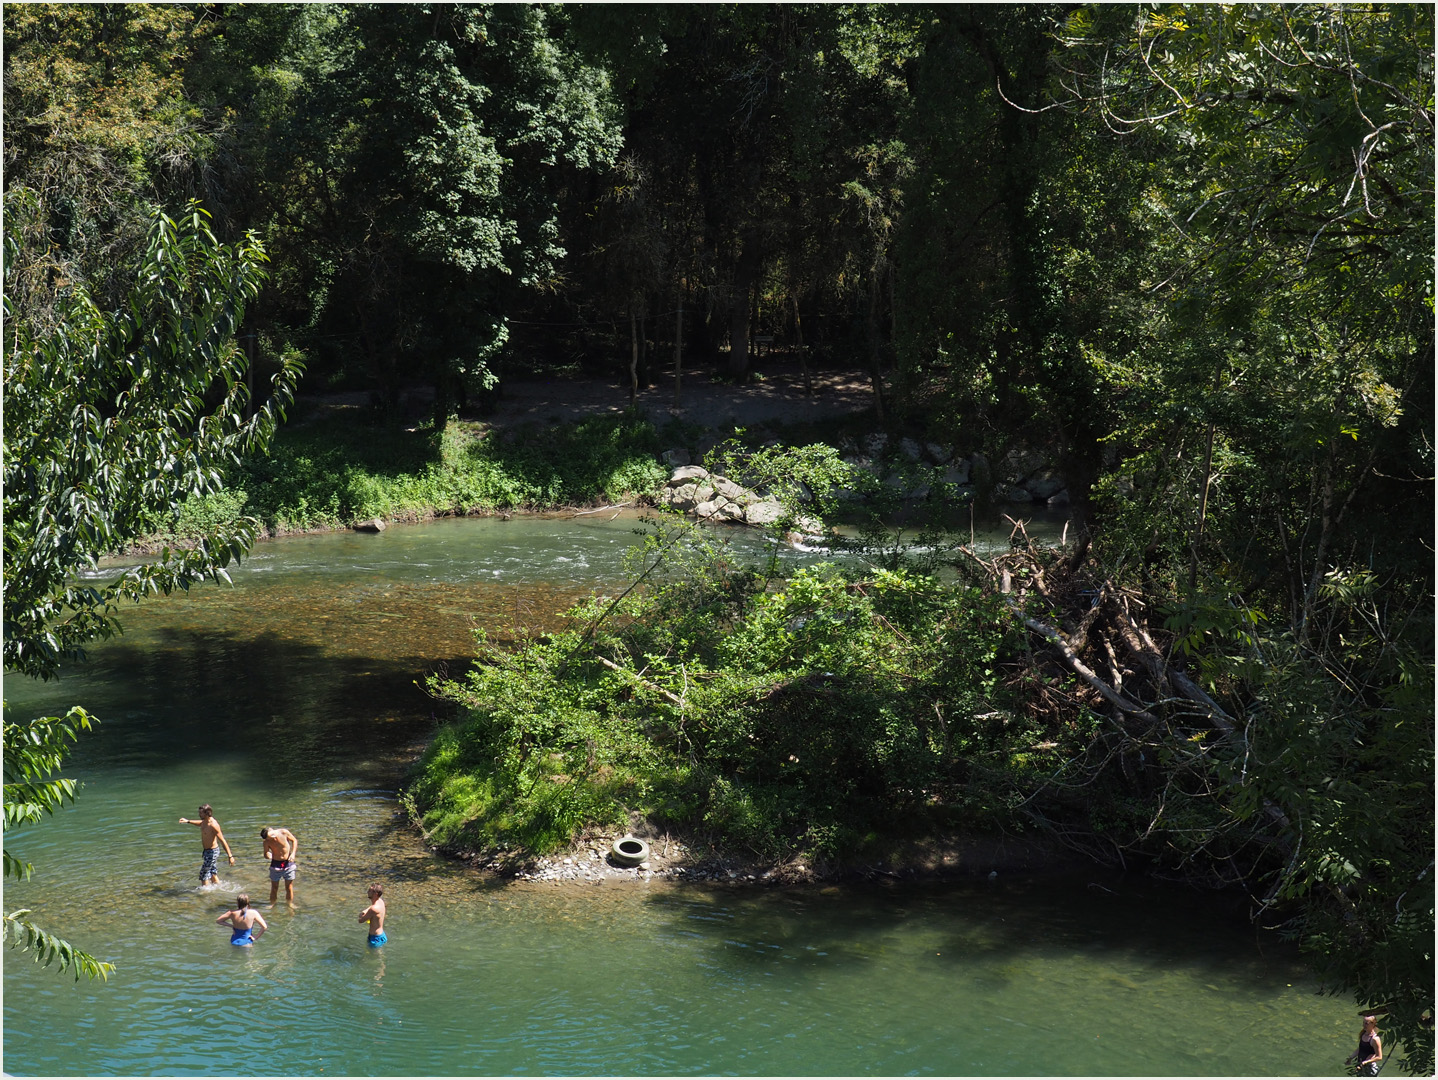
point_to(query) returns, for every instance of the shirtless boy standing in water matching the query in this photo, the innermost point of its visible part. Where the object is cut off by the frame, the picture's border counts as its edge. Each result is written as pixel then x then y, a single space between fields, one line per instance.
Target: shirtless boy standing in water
pixel 280 849
pixel 374 915
pixel 242 922
pixel 210 840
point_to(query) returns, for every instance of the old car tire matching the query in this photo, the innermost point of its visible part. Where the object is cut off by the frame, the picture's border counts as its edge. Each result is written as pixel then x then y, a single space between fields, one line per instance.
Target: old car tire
pixel 629 851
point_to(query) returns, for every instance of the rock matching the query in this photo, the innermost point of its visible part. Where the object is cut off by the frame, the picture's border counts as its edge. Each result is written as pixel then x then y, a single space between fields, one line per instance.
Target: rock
pixel 703 491
pixel 1059 499
pixel 683 497
pixel 688 472
pixel 675 458
pixel 1019 464
pixel 910 449
pixel 729 489
pixel 1044 484
pixel 810 527
pixel 941 455
pixel 763 513
pixel 374 525
pixel 957 473
pixel 981 474
pixel 706 509
pixel 874 445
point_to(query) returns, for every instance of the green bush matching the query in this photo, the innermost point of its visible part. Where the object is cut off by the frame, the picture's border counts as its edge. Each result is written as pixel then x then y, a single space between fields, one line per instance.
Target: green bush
pixel 774 715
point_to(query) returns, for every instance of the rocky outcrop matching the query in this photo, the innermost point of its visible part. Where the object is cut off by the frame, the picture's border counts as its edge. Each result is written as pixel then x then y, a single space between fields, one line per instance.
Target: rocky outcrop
pixel 374 525
pixel 913 470
pixel 692 489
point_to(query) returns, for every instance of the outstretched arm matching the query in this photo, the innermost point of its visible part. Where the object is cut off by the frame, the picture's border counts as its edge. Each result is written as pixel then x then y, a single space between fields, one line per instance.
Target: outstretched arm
pixel 187 821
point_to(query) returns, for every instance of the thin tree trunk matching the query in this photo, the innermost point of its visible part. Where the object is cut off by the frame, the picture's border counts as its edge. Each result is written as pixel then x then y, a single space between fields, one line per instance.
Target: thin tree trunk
pixel 642 375
pixel 744 275
pixel 872 322
pixel 633 359
pixel 799 344
pixel 1202 512
pixel 678 344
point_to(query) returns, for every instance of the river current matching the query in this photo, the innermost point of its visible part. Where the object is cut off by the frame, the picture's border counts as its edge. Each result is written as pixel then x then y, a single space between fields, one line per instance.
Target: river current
pixel 294 697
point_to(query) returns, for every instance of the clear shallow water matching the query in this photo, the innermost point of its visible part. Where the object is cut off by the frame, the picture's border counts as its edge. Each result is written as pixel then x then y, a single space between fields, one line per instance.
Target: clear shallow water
pixel 291 699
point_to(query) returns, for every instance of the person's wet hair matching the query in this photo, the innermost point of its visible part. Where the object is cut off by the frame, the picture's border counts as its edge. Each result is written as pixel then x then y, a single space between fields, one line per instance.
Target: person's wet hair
pixel 243 900
pixel 378 890
pixel 205 809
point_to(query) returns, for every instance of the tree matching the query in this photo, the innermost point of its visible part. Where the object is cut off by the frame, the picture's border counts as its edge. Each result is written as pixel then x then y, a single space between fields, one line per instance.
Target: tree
pixel 111 421
pixel 428 161
pixel 1278 402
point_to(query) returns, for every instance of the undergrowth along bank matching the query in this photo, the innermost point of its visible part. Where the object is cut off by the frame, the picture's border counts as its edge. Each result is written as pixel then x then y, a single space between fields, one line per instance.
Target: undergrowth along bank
pixel 332 472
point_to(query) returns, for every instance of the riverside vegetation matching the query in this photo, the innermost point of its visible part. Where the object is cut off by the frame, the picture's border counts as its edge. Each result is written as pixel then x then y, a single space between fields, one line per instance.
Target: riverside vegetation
pixel 1184 251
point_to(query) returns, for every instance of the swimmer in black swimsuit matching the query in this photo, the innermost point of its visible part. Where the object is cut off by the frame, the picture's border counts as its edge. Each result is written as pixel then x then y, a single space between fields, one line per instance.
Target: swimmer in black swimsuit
pixel 1370 1048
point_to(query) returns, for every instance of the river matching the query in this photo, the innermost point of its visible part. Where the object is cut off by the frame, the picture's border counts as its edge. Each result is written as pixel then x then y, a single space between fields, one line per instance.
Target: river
pixel 292 698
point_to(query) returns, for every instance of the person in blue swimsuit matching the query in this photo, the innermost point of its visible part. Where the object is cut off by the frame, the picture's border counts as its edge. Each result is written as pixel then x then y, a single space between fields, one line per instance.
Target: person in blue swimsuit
pixel 374 915
pixel 243 921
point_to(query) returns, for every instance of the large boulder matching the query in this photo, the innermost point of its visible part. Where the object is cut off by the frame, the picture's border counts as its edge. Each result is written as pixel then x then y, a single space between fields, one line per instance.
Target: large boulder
pixel 731 490
pixel 763 513
pixel 1044 484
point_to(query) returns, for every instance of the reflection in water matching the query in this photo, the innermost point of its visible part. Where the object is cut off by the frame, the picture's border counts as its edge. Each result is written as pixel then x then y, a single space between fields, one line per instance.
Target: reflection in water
pixel 292 698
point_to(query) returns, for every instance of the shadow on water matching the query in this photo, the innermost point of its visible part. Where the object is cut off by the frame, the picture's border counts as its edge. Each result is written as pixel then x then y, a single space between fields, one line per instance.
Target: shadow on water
pixel 300 712
pixel 819 929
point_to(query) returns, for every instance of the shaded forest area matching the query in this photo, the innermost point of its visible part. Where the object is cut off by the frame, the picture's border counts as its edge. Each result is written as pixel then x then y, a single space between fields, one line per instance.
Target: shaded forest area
pixel 1183 252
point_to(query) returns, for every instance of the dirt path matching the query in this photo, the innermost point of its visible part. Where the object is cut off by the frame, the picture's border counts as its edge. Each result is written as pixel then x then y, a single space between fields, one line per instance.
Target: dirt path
pixel 776 395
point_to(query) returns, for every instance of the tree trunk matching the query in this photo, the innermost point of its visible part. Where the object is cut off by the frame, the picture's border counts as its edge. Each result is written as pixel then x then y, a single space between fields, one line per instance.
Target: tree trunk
pixel 799 344
pixel 875 343
pixel 745 271
pixel 678 345
pixel 633 359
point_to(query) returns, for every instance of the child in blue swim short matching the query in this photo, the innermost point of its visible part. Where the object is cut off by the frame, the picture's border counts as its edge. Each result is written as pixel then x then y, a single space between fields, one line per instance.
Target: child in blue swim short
pixel 374 915
pixel 243 921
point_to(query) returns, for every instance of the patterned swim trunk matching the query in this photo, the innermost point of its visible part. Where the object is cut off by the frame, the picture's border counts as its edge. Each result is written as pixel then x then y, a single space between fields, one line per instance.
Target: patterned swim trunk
pixel 376 940
pixel 208 868
pixel 282 869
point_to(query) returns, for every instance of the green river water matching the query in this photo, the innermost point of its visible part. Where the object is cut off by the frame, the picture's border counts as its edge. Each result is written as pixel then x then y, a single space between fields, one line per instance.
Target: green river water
pixel 291 698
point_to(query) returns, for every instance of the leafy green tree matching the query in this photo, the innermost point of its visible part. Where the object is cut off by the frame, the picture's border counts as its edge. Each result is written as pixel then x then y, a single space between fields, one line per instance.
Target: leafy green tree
pixel 430 155
pixel 112 420
pixel 98 124
pixel 1280 402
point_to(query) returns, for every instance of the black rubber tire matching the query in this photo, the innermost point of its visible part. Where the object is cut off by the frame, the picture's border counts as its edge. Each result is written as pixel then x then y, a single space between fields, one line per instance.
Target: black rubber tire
pixel 629 851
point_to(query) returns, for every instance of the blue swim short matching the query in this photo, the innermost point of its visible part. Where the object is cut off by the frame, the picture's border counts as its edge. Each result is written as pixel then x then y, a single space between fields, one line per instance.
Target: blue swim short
pixel 208 867
pixel 242 936
pixel 376 940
